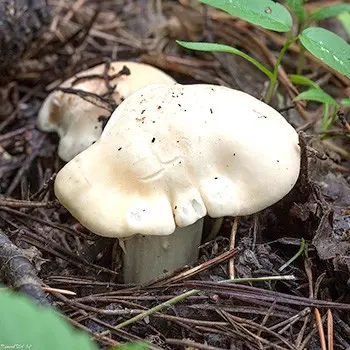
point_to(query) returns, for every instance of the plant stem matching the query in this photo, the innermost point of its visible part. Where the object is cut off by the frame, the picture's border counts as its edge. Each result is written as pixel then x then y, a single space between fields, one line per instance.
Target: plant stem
pixel 157 308
pixel 273 79
pixel 325 116
pixel 301 60
pixel 299 252
pixel 333 118
pixel 301 56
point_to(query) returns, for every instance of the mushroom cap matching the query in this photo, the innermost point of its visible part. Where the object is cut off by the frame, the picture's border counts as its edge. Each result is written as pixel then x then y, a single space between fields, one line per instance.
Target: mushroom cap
pixel 169 155
pixel 78 122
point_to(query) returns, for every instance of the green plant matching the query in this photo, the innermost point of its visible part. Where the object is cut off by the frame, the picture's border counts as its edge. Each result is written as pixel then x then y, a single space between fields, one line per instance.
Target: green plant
pixel 28 326
pixel 323 44
pixel 316 94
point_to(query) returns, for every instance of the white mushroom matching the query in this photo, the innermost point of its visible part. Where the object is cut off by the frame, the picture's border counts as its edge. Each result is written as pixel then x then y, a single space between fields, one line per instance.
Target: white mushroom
pixel 168 156
pixel 78 122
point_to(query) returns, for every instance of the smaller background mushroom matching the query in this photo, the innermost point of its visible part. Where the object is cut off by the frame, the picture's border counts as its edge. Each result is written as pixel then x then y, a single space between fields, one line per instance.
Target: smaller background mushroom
pixel 81 107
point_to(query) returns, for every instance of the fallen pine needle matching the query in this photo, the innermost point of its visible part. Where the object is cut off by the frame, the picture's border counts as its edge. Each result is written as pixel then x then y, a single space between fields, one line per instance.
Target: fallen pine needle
pixel 184 296
pixel 57 290
pixel 330 332
pixel 48 290
pixel 320 329
pixel 231 263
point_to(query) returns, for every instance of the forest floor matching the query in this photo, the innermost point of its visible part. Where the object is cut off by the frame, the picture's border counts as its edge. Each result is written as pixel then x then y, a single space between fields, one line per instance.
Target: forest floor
pixel 310 311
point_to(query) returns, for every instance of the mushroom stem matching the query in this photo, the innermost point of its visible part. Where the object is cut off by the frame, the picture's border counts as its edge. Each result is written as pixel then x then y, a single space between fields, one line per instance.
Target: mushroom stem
pixel 149 257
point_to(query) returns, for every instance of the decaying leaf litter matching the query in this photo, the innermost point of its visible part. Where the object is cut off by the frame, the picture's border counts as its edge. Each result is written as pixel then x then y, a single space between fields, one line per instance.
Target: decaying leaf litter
pixel 287 314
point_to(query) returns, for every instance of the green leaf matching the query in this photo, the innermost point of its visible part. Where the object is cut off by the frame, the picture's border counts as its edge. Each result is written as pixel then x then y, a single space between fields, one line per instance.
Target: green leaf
pixel 301 80
pixel 297 7
pixel 345 102
pixel 329 11
pixel 26 325
pixel 265 13
pixel 316 95
pixel 344 19
pixel 212 47
pixel 328 47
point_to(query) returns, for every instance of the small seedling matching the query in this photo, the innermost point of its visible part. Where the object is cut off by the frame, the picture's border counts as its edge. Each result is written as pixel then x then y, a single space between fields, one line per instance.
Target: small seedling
pixel 316 94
